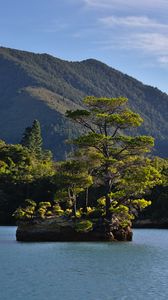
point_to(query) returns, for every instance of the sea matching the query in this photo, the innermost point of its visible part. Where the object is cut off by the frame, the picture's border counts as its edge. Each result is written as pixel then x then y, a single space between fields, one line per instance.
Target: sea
pixel 85 270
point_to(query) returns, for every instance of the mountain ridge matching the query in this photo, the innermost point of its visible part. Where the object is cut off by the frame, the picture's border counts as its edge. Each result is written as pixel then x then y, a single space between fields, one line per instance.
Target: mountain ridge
pixel 45 87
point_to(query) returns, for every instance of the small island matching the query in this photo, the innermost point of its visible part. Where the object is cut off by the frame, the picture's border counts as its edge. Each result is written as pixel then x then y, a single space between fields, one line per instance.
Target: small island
pixel 101 187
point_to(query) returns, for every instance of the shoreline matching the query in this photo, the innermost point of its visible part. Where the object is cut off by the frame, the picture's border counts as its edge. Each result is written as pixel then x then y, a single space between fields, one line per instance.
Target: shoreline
pixel 151 224
pixel 139 224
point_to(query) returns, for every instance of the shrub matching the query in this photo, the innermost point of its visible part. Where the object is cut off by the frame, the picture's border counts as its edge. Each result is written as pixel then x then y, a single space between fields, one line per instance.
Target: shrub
pixel 41 212
pixel 79 213
pixel 68 212
pixel 49 213
pixel 57 210
pixel 44 204
pixel 84 226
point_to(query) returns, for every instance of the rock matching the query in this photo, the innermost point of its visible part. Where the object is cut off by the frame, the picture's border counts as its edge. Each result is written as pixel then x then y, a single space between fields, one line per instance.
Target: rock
pixel 62 229
pixel 123 234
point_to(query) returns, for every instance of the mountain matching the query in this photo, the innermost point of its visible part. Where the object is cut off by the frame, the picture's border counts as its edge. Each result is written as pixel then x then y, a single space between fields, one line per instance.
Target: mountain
pixel 39 86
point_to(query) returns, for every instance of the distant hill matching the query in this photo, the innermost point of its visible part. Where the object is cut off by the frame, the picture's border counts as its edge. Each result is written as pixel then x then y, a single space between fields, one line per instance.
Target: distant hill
pixel 39 86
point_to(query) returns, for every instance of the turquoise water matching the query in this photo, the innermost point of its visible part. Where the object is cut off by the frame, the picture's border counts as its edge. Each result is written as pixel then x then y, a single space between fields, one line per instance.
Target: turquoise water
pixel 85 271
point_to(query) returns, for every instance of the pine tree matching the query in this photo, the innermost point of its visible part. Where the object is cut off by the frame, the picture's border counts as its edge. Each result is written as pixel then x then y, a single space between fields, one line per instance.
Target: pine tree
pixel 32 139
pixel 37 138
pixel 122 168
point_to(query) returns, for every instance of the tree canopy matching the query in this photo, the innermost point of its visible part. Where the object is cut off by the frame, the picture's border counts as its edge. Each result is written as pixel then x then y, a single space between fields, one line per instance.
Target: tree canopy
pixel 124 170
pixel 106 179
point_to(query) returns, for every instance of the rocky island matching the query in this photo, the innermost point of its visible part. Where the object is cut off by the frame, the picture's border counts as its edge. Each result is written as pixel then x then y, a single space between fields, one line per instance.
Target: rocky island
pixel 97 191
pixel 62 229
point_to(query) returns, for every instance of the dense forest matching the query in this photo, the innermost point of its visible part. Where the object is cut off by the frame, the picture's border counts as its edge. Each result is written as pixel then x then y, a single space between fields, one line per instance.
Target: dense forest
pixel 109 175
pixel 39 86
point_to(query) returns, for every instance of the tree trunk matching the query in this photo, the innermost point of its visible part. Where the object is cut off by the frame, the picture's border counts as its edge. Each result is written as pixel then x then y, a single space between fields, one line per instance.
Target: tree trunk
pixel 108 201
pixel 108 204
pixel 86 199
pixel 74 206
pixel 72 197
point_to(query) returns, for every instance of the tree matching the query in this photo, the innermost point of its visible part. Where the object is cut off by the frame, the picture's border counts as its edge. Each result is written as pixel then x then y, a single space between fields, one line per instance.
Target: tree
pixel 159 194
pixel 22 175
pixel 32 139
pixel 73 179
pixel 123 169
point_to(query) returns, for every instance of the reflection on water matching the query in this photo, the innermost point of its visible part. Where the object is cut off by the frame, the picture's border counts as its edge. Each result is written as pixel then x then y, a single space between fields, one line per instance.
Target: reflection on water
pixel 86 271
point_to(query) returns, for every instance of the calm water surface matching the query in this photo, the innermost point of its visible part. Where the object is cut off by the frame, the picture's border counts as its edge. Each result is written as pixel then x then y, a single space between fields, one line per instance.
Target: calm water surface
pixel 85 271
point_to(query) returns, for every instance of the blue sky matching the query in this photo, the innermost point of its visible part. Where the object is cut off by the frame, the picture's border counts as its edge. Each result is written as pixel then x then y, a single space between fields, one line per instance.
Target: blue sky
pixel 129 35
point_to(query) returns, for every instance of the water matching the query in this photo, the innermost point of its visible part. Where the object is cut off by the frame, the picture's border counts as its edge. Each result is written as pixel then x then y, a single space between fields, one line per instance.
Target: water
pixel 85 271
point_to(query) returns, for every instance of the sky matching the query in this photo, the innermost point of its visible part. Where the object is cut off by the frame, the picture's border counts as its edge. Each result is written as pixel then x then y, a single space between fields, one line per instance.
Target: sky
pixel 128 35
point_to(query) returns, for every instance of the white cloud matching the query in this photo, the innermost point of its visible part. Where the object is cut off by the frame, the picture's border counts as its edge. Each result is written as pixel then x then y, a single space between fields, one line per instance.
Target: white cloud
pixel 159 4
pixel 154 43
pixel 132 21
pixel 163 60
pixel 127 25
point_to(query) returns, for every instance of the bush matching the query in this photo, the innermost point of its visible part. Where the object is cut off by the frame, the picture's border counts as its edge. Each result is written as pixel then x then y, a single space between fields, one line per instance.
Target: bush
pixel 57 210
pixel 84 226
pixel 68 212
pixel 41 212
pixel 79 213
pixel 49 213
pixel 44 204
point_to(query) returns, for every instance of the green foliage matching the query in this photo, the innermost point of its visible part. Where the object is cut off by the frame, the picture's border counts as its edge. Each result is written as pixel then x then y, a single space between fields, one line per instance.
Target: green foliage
pixel 123 169
pixel 41 212
pixel 140 203
pixel 32 139
pixel 90 210
pixel 57 210
pixel 19 214
pixel 22 175
pixel 49 213
pixel 68 212
pixel 17 164
pixel 44 204
pixel 84 226
pixel 159 194
pixel 79 213
pixel 72 178
pixel 102 201
pixel 30 202
pixel 27 212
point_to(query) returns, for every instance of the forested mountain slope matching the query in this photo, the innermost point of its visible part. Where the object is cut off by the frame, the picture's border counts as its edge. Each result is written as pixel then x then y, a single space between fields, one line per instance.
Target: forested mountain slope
pixel 39 86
